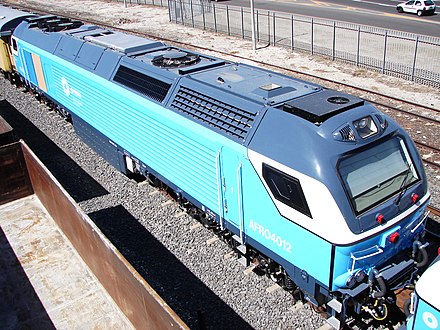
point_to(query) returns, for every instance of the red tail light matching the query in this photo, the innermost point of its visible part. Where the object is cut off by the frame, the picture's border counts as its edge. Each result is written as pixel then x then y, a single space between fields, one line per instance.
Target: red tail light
pixel 394 237
pixel 380 218
pixel 414 198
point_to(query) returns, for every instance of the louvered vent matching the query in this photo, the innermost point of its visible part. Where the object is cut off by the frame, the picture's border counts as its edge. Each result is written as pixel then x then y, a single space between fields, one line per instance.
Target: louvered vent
pixel 146 85
pixel 347 133
pixel 224 117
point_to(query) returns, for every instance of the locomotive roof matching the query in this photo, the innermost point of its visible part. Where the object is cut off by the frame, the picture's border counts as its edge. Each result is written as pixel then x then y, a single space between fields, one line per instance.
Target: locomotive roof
pixel 227 97
pixel 10 18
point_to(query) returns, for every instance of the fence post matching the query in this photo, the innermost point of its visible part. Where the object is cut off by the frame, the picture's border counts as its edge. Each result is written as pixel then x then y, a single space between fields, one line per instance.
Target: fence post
pixel 268 27
pixel 291 33
pixel 258 27
pixel 175 10
pixel 203 14
pixel 274 28
pixel 215 17
pixel 334 41
pixel 242 23
pixel 385 51
pixel 415 59
pixel 181 12
pixel 227 20
pixel 358 45
pixel 192 12
pixel 169 10
pixel 312 38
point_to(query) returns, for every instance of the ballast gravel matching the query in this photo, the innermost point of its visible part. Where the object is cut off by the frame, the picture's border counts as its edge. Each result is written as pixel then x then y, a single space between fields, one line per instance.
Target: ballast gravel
pixel 202 283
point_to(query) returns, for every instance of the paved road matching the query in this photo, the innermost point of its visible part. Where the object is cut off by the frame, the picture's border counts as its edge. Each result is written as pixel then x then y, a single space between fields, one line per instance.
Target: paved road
pixel 380 13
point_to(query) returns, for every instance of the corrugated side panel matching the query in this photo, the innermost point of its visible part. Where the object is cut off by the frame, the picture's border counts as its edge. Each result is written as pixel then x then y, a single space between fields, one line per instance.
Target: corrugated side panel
pixel 182 154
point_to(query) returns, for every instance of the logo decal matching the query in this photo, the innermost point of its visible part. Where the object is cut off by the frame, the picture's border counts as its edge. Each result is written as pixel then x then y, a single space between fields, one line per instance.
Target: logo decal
pixel 430 320
pixel 65 86
pixel 68 90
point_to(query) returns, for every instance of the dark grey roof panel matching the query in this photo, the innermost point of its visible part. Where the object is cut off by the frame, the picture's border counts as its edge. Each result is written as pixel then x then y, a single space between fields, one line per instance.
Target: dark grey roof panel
pixel 319 107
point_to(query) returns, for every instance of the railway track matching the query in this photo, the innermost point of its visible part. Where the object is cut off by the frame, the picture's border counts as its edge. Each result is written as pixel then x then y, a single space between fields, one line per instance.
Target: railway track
pixel 435 211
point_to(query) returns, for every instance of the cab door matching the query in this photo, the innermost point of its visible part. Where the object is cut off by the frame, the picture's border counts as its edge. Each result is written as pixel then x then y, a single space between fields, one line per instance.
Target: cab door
pixel 232 187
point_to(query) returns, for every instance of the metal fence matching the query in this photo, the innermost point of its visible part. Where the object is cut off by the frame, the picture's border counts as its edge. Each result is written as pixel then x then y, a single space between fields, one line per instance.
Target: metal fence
pixel 160 3
pixel 405 55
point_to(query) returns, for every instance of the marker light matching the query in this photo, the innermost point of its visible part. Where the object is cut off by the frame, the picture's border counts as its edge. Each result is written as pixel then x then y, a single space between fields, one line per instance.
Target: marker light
pixel 414 198
pixel 380 218
pixel 394 237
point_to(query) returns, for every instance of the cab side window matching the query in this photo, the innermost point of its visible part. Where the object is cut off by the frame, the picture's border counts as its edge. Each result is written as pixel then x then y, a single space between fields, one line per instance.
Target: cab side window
pixel 286 189
pixel 14 46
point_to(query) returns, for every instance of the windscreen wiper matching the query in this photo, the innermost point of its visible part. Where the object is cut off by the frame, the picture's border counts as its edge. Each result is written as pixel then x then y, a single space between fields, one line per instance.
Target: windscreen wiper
pixel 402 191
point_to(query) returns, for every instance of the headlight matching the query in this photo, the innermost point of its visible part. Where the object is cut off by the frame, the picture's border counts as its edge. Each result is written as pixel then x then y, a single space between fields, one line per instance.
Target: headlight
pixel 355 279
pixel 365 127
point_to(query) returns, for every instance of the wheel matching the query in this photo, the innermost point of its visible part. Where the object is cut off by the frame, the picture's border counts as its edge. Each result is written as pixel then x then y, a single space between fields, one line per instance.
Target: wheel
pixel 419 13
pixel 399 9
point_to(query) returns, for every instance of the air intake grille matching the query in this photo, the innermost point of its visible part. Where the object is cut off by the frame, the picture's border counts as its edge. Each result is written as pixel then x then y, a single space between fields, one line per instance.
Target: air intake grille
pixel 224 117
pixel 146 85
pixel 347 134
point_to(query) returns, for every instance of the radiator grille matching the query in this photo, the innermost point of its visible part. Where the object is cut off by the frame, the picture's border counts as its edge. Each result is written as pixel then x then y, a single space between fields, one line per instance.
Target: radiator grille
pixel 219 115
pixel 146 85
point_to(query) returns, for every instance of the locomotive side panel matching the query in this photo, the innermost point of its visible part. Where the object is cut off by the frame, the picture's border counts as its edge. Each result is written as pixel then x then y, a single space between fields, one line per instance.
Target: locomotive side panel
pixel 176 148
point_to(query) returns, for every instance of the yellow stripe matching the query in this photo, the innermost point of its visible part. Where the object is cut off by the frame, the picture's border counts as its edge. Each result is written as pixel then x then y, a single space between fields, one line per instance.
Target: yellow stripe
pixel 39 72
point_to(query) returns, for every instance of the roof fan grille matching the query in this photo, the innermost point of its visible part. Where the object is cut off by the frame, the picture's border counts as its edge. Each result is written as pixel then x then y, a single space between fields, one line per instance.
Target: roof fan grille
pixel 176 59
pixel 338 100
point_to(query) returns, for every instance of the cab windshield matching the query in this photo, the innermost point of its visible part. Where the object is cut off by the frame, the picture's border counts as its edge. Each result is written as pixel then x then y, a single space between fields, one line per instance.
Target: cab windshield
pixel 376 174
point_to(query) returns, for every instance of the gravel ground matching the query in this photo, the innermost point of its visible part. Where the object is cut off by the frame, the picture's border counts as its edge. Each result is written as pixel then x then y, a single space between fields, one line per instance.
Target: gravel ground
pixel 194 278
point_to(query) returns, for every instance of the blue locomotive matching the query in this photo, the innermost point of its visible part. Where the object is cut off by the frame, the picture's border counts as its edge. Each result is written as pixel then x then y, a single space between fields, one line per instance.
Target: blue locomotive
pixel 424 307
pixel 323 192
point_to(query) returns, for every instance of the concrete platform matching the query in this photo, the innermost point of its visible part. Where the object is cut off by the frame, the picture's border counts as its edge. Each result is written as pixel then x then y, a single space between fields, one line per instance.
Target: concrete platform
pixel 44 283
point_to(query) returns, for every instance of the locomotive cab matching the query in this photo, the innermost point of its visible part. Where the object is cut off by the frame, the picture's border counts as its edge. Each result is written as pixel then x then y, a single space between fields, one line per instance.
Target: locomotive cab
pixel 352 177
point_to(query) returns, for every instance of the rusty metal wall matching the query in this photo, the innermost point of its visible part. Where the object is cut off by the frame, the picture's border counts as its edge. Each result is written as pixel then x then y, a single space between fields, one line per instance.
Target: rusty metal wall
pixel 14 178
pixel 137 300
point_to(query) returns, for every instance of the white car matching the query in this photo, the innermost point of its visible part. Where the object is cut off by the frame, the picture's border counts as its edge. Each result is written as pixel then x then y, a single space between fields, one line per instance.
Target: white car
pixel 419 7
